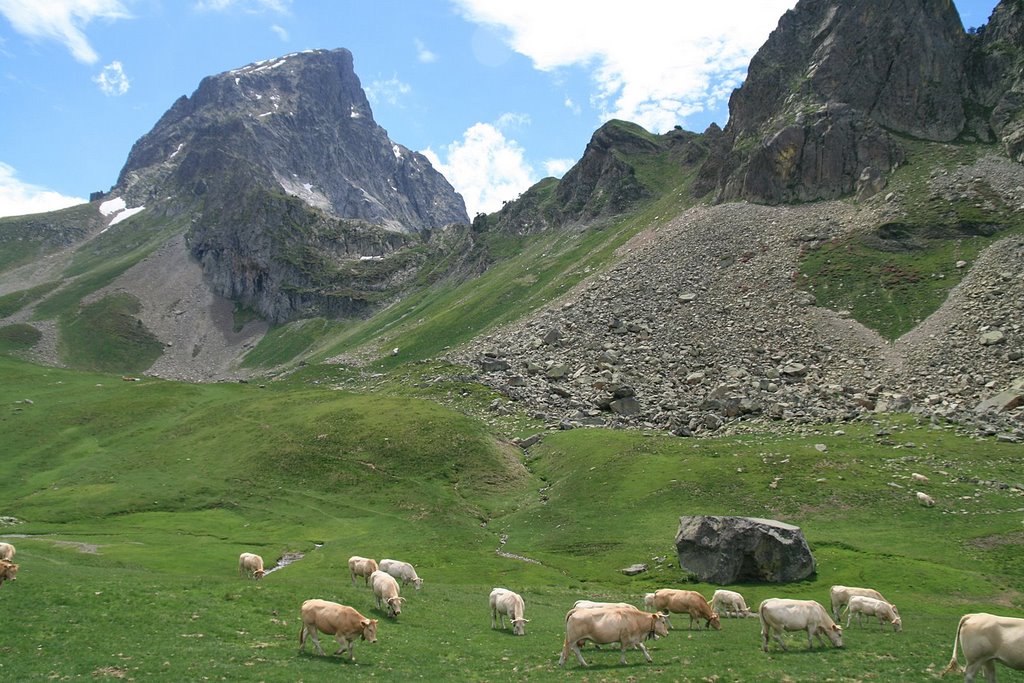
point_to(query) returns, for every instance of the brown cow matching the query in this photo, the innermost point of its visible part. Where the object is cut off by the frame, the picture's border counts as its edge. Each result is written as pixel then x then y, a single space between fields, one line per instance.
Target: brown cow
pixel 8 571
pixel 627 626
pixel 684 602
pixel 341 621
pixel 361 566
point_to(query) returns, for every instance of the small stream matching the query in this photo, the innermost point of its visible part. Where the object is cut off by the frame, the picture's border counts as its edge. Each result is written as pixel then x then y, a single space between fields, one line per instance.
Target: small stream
pixel 290 558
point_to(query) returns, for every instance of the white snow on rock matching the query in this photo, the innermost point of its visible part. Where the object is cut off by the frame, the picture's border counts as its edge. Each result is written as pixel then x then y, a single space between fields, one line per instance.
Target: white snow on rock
pixel 112 206
pixel 127 213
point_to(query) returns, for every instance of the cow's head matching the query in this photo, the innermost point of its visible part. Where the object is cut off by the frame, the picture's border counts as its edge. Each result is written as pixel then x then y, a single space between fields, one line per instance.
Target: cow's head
pixel 258 574
pixel 369 629
pixel 714 622
pixel 835 634
pixel 897 624
pixel 395 606
pixel 8 571
pixel 660 626
pixel 519 626
pixel 417 582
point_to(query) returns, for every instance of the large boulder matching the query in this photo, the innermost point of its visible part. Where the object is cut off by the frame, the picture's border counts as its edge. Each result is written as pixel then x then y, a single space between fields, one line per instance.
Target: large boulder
pixel 728 550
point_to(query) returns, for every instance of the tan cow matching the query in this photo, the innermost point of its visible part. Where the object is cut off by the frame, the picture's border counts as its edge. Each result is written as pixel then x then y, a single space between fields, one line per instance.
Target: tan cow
pixel 504 601
pixel 840 596
pixel 361 566
pixel 341 621
pixel 684 602
pixel 251 565
pixel 8 571
pixel 6 551
pixel 590 604
pixel 872 607
pixel 627 626
pixel 385 591
pixel 403 571
pixel 729 603
pixel 782 614
pixel 985 640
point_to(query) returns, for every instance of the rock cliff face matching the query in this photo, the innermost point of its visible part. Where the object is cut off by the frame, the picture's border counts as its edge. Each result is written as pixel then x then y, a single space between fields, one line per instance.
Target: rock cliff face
pixel 836 83
pixel 292 186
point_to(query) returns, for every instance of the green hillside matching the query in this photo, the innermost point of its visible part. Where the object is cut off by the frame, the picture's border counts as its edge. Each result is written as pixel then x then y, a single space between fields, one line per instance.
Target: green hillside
pixel 134 499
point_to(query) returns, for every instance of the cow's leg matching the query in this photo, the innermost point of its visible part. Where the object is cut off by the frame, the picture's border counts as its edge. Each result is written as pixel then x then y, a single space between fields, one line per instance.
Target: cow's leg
pixel 353 575
pixel 565 652
pixel 643 648
pixel 765 636
pixel 312 631
pixel 342 643
pixel 579 655
pixel 494 618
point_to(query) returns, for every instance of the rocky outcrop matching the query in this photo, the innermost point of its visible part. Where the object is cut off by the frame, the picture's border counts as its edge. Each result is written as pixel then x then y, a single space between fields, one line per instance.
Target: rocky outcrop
pixel 730 550
pixel 827 91
pixel 996 77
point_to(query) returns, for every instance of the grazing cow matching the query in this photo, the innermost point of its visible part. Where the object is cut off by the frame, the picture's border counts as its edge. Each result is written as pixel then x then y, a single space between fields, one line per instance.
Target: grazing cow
pixel 684 602
pixel 590 604
pixel 840 596
pixel 6 551
pixel 403 571
pixel 341 621
pixel 925 499
pixel 361 566
pixel 504 601
pixel 729 603
pixel 8 571
pixel 861 605
pixel 919 477
pixel 985 640
pixel 782 614
pixel 251 565
pixel 385 591
pixel 627 626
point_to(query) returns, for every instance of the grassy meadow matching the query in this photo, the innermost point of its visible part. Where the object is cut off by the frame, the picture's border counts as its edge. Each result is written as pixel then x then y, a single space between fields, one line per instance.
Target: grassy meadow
pixel 134 500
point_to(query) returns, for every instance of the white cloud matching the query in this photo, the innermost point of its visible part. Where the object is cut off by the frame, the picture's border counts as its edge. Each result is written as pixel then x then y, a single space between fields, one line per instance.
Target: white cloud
pixel 423 54
pixel 390 91
pixel 512 120
pixel 18 198
pixel 62 20
pixel 248 6
pixel 281 32
pixel 558 167
pixel 485 167
pixel 112 80
pixel 654 64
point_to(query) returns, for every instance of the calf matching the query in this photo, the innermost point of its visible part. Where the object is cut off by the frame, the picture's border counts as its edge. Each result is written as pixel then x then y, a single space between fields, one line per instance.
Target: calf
pixel 684 602
pixel 385 591
pixel 361 566
pixel 781 614
pixel 341 621
pixel 729 603
pixel 861 605
pixel 985 640
pixel 504 601
pixel 251 564
pixel 840 596
pixel 629 627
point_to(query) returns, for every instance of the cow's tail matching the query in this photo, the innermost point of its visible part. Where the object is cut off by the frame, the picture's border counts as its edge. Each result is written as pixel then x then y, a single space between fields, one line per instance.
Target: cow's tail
pixel 953 664
pixel 302 636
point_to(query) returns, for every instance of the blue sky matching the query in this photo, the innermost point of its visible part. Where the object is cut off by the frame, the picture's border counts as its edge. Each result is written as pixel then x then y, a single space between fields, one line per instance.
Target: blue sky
pixel 497 93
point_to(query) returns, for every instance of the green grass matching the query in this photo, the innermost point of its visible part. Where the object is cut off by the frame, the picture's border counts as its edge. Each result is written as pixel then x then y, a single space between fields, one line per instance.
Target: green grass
pixel 136 498
pixel 106 335
pixel 894 276
pixel 15 301
pixel 18 337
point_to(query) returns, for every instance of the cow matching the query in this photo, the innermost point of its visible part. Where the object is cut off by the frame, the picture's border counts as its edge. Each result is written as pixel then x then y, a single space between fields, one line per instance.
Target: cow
pixel 385 592
pixel 985 640
pixel 361 566
pixel 919 477
pixel 8 571
pixel 251 565
pixel 504 601
pixel 684 602
pixel 861 605
pixel 840 596
pixel 925 499
pixel 782 614
pixel 341 621
pixel 729 603
pixel 627 626
pixel 590 604
pixel 403 571
pixel 6 551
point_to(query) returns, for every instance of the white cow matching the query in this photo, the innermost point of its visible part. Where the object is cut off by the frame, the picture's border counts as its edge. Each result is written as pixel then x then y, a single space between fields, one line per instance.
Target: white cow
pixel 591 604
pixel 872 607
pixel 985 640
pixel 251 564
pixel 504 601
pixel 403 571
pixel 840 596
pixel 729 603
pixel 385 591
pixel 782 614
pixel 6 551
pixel 925 499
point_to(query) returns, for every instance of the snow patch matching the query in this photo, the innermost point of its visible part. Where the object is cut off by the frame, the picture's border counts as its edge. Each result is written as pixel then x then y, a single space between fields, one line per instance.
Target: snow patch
pixel 268 113
pixel 397 150
pixel 112 206
pixel 175 152
pixel 127 213
pixel 353 113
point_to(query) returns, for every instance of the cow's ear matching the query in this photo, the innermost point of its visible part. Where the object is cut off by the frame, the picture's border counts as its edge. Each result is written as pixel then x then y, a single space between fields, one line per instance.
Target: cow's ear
pixel 365 622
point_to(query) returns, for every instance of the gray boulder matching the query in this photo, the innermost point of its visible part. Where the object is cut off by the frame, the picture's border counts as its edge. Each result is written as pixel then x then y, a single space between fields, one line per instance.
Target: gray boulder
pixel 725 550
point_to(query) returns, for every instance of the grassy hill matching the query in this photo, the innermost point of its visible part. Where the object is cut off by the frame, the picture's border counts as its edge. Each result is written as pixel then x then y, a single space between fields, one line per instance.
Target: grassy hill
pixel 135 499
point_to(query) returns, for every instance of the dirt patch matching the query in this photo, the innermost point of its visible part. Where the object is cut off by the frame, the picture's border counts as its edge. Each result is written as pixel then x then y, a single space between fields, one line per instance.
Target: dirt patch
pixel 997 540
